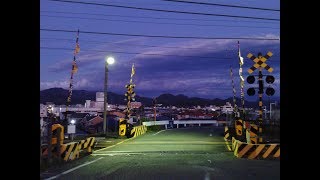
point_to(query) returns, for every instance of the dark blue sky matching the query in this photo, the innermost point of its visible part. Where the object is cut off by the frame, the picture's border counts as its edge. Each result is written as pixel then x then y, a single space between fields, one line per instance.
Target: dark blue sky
pixel 155 74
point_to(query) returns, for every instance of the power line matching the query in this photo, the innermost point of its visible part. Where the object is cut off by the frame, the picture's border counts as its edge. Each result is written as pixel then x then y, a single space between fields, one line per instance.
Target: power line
pixel 159 22
pixel 189 19
pixel 124 52
pixel 223 5
pixel 170 11
pixel 155 36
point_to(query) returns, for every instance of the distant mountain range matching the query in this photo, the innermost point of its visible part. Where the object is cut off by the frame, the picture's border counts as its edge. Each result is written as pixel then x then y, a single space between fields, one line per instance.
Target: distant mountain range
pixel 59 96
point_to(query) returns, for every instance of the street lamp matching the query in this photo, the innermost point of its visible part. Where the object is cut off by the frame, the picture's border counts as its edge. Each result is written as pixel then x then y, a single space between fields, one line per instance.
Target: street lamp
pixel 109 60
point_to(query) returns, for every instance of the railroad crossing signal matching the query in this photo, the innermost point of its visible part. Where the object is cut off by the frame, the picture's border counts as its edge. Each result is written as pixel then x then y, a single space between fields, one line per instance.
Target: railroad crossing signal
pixel 270 91
pixel 250 79
pixel 130 93
pixel 260 62
pixel 251 91
pixel 269 79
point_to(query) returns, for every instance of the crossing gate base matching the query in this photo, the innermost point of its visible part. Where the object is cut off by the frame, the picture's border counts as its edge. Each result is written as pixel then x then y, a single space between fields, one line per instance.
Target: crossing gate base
pixel 255 151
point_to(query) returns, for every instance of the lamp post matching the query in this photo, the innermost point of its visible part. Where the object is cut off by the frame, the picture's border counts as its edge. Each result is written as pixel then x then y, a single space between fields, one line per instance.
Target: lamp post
pixel 109 60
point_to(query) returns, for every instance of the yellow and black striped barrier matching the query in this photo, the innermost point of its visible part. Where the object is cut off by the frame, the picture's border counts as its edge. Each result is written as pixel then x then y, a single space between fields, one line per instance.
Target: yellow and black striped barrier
pixel 252 134
pixel 255 151
pixel 233 143
pixel 69 151
pixel 227 138
pixel 226 133
pixel 87 144
pixel 239 127
pixel 138 130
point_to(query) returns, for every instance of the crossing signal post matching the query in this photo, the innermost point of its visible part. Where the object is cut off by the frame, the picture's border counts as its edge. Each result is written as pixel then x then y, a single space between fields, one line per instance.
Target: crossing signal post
pixel 260 63
pixel 130 94
pixel 124 125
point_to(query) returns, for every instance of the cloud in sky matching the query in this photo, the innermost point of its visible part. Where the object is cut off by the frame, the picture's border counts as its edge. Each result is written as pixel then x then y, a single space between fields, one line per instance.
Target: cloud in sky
pixel 82 83
pixel 192 76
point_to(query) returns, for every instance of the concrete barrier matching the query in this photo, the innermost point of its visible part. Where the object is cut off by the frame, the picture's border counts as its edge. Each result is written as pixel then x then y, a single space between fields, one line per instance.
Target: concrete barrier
pixel 87 144
pixel 227 138
pixel 71 151
pixel 255 151
pixel 138 130
pixel 252 134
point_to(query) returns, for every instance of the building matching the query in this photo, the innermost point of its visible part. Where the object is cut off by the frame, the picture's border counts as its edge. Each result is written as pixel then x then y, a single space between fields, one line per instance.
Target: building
pixel 196 114
pixel 43 110
pixel 99 96
pixel 226 108
pixel 135 105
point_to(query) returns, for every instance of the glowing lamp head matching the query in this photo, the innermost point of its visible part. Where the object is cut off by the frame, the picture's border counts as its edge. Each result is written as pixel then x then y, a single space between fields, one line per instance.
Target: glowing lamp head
pixel 110 60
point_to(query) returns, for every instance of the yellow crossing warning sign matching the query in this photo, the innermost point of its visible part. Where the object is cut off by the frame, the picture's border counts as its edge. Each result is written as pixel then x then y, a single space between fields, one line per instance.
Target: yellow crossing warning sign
pixel 260 62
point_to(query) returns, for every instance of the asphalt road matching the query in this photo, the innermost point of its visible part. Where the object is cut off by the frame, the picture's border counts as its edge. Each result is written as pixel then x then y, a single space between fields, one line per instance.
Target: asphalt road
pixel 184 153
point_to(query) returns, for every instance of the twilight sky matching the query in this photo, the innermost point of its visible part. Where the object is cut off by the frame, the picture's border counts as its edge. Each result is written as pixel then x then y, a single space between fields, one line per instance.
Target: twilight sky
pixel 193 67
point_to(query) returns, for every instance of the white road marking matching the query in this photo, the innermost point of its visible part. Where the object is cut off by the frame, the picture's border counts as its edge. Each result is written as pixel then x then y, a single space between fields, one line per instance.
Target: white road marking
pixel 158 132
pixel 114 154
pixel 70 170
pixel 118 152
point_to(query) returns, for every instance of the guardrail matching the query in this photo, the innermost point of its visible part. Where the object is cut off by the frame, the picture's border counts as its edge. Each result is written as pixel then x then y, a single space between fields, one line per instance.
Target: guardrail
pixel 185 122
pixel 152 123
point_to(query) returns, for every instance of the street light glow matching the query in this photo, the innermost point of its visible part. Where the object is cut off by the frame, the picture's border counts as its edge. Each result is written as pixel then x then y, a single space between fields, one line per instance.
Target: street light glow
pixel 110 60
pixel 73 121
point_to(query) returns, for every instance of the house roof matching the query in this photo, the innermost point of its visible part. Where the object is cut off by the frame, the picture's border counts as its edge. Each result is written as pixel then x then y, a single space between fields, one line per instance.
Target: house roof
pixel 95 120
pixel 98 120
pixel 117 113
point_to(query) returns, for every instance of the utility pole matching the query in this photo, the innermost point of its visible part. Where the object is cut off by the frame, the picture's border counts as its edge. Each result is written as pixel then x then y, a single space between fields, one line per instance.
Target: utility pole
pixel 49 130
pixel 105 102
